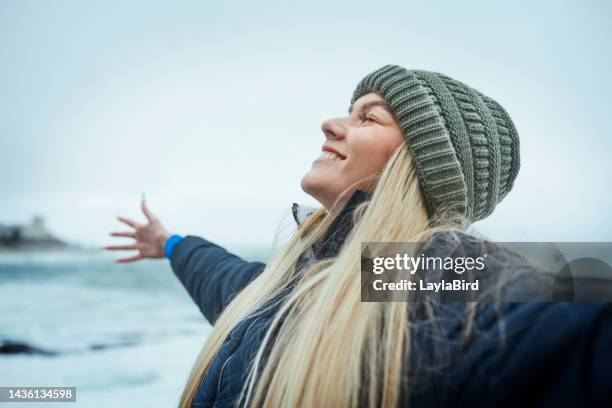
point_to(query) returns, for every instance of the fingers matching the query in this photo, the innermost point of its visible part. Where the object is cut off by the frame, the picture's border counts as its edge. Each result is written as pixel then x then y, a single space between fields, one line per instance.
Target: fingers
pixel 129 222
pixel 129 259
pixel 126 234
pixel 145 210
pixel 127 247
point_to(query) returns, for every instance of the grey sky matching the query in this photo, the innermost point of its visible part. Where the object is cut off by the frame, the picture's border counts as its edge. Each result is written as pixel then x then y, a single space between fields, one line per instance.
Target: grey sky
pixel 213 109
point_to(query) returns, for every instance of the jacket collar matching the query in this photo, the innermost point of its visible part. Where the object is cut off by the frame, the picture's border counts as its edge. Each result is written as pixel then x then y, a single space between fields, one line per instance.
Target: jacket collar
pixel 301 212
pixel 340 227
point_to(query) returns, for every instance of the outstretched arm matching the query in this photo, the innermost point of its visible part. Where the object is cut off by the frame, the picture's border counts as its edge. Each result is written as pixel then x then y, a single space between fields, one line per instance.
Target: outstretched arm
pixel 209 273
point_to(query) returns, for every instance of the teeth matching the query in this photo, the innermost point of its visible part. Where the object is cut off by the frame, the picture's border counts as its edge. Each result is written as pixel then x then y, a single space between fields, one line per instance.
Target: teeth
pixel 329 155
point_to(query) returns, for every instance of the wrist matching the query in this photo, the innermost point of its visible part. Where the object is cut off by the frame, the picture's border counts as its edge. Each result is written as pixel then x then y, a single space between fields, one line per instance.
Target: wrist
pixel 162 238
pixel 170 243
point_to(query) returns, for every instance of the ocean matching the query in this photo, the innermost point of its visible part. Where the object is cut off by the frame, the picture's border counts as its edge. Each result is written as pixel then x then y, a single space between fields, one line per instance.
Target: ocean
pixel 123 335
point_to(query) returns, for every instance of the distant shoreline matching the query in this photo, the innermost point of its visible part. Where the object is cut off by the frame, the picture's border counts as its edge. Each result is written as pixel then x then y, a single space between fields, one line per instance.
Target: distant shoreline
pixel 38 246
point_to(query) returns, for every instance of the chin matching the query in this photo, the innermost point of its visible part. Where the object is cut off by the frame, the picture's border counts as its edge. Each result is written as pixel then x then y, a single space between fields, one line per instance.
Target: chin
pixel 314 185
pixel 308 183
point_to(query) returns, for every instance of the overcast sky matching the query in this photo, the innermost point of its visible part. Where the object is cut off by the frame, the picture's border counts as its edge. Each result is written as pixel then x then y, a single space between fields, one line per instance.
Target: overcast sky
pixel 213 109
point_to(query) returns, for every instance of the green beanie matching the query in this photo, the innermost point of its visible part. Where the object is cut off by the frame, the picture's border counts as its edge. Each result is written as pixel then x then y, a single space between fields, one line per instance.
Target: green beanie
pixel 463 143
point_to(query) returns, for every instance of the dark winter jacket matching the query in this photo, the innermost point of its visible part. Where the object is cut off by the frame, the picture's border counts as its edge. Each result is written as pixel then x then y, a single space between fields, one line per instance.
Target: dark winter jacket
pixel 553 354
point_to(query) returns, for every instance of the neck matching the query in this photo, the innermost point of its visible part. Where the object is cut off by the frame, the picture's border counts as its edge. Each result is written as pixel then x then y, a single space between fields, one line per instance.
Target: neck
pixel 340 204
pixel 341 225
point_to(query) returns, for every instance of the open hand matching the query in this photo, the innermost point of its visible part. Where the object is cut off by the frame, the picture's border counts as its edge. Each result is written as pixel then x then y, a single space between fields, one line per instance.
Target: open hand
pixel 150 237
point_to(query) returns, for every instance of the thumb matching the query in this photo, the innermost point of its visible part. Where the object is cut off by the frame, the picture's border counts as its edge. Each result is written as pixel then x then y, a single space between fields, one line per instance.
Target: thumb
pixel 146 211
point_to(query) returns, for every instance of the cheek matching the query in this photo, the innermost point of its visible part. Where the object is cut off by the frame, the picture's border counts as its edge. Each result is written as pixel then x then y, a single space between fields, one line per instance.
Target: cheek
pixel 369 155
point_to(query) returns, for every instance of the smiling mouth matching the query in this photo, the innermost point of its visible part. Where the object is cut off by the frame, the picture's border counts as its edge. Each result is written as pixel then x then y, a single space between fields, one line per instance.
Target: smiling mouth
pixel 326 154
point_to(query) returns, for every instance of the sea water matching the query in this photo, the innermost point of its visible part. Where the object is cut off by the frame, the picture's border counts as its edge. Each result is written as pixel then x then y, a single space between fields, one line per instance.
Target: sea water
pixel 123 335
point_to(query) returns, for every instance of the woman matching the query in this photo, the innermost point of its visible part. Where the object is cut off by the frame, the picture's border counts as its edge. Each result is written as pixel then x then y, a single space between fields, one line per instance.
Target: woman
pixel 418 155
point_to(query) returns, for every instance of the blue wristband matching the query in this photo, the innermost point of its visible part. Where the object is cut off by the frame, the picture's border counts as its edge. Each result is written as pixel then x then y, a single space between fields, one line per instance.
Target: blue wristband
pixel 170 243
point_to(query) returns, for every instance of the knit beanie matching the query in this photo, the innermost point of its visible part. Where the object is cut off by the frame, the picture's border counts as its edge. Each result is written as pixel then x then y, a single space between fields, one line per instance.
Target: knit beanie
pixel 463 143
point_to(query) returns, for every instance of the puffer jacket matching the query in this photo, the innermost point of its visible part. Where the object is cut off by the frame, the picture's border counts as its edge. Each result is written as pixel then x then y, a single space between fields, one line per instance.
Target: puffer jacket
pixel 552 354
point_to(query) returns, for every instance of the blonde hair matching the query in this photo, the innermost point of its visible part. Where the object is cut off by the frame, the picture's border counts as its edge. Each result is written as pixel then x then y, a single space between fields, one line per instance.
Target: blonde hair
pixel 331 349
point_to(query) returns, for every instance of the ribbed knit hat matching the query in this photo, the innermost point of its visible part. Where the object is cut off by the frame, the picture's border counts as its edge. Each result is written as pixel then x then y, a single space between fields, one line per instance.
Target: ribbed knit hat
pixel 463 143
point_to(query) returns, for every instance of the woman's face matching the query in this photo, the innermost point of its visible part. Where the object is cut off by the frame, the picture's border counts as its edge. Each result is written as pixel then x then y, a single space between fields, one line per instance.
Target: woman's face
pixel 356 147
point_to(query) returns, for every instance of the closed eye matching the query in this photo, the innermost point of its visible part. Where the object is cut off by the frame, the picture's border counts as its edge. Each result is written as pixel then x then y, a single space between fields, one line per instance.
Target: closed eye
pixel 367 118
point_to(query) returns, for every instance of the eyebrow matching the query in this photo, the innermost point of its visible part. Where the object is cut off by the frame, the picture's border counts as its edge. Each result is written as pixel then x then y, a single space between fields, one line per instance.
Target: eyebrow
pixel 372 104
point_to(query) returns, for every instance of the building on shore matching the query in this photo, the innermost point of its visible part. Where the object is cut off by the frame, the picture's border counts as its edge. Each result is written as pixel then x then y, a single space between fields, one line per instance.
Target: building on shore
pixel 24 235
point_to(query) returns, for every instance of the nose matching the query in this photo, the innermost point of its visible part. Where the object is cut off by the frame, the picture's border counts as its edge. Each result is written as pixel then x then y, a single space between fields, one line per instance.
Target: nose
pixel 333 129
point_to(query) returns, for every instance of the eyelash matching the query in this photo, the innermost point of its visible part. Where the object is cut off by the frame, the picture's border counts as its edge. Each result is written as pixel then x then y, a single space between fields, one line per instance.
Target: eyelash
pixel 363 118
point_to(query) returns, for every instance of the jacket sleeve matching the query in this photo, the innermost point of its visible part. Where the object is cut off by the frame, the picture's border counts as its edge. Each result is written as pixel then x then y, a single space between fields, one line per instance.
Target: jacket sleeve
pixel 211 275
pixel 562 357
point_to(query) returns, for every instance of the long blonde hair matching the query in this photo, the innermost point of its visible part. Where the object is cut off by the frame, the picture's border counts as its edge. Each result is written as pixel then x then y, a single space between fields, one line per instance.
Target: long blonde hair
pixel 331 349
